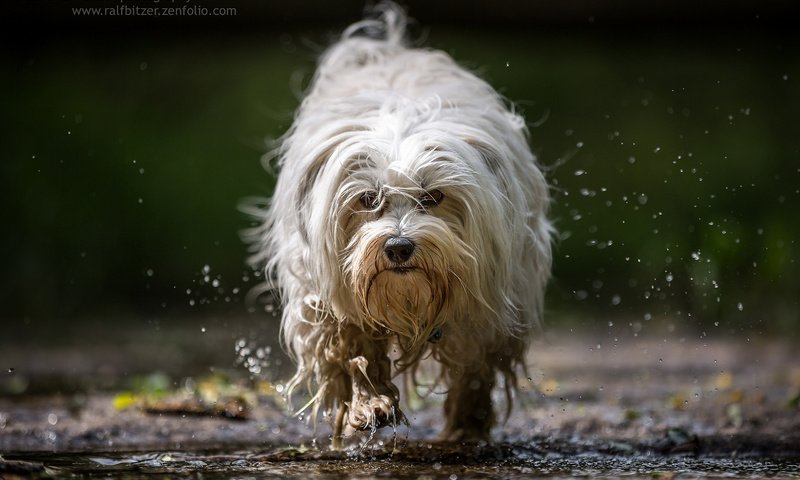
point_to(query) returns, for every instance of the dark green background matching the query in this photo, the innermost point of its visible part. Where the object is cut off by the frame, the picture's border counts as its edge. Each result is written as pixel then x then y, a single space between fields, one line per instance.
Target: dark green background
pixel 673 152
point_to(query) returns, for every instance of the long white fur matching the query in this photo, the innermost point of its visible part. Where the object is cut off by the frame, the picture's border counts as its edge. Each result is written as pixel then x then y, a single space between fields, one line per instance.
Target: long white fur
pixel 400 121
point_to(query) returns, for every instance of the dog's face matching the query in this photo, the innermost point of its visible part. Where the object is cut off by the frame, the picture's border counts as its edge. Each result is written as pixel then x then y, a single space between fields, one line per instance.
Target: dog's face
pixel 405 255
pixel 408 230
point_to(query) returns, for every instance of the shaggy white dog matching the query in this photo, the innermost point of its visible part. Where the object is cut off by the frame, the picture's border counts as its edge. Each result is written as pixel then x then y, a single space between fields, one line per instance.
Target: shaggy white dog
pixel 408 222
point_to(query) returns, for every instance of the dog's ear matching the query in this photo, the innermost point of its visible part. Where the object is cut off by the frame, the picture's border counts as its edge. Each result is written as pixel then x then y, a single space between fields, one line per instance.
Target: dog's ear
pixel 489 155
pixel 493 161
pixel 303 194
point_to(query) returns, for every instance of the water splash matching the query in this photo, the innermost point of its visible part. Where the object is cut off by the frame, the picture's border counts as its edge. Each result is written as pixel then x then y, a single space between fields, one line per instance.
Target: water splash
pixel 257 360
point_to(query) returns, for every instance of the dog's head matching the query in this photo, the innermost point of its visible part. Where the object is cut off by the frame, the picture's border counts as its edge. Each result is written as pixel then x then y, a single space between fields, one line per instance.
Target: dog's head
pixel 407 252
pixel 412 215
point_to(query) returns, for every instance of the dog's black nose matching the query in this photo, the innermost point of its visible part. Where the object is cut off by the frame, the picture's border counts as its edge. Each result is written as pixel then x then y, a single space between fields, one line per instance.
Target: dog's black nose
pixel 398 249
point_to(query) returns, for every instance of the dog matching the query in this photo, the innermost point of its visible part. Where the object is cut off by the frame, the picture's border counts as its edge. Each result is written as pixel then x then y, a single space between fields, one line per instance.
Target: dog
pixel 408 223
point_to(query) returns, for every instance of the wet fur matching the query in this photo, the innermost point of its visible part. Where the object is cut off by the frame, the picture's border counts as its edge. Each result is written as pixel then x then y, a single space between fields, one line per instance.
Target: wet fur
pixel 402 122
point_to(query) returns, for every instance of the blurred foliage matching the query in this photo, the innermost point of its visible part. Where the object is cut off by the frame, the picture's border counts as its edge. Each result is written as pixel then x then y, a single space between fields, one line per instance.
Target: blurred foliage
pixel 673 159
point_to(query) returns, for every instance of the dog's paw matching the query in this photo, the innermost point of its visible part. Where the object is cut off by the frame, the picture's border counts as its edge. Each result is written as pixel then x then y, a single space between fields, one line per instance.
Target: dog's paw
pixel 372 413
pixel 374 402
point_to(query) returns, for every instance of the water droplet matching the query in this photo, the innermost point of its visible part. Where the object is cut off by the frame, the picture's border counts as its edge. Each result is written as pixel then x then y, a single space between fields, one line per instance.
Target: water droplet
pixel 52 419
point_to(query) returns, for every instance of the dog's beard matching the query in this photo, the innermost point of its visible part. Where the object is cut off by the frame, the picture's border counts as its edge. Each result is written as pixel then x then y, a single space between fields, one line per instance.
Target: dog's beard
pixel 414 299
pixel 406 302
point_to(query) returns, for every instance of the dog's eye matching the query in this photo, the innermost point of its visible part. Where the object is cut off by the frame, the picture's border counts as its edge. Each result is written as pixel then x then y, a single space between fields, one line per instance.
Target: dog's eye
pixel 370 200
pixel 431 199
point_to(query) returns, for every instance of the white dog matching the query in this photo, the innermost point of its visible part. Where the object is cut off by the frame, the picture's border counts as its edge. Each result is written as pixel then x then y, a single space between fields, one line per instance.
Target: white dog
pixel 408 222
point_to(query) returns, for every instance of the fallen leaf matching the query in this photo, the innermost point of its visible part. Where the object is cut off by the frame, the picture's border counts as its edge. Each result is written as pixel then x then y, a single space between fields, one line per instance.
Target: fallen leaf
pixel 734 414
pixel 124 400
pixel 549 386
pixel 794 402
pixel 723 381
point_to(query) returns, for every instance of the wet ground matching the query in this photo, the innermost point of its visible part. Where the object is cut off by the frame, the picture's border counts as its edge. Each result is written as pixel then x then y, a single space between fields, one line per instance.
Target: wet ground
pixel 595 405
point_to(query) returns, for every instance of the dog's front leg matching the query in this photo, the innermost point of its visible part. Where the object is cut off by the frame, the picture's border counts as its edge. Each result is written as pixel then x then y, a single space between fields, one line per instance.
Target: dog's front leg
pixel 468 409
pixel 374 399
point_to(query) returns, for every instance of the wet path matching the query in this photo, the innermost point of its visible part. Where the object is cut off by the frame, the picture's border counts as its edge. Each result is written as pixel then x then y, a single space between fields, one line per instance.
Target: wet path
pixel 644 407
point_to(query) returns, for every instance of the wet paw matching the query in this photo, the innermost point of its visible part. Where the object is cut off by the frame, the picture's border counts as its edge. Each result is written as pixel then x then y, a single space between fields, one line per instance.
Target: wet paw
pixel 372 413
pixel 375 398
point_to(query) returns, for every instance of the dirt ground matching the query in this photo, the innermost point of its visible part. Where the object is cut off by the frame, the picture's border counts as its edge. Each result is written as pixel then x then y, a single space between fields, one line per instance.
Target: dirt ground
pixel 592 403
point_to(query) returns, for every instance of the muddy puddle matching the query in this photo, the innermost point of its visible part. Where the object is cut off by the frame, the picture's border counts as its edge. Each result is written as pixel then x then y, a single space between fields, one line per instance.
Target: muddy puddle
pixel 414 460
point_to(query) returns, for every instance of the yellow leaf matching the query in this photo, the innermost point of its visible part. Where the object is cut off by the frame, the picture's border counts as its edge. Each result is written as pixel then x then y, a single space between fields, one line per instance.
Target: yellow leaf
pixel 266 388
pixel 549 386
pixel 723 381
pixel 679 401
pixel 631 415
pixel 124 400
pixel 794 376
pixel 736 396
